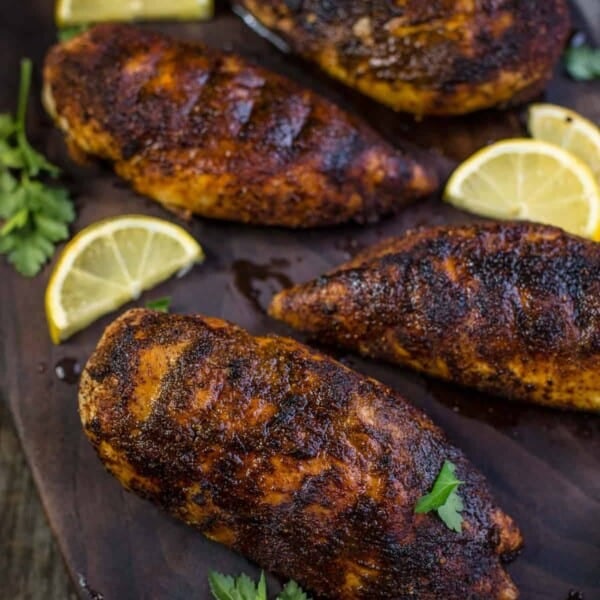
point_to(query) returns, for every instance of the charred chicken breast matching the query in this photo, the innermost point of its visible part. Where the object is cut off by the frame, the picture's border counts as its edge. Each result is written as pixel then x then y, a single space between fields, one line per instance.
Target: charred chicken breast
pixel 260 442
pixel 509 308
pixel 205 132
pixel 440 57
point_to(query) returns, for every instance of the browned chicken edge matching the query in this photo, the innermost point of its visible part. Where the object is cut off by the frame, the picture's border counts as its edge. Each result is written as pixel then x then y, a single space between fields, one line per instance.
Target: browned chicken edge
pixel 512 309
pixel 427 58
pixel 260 442
pixel 206 132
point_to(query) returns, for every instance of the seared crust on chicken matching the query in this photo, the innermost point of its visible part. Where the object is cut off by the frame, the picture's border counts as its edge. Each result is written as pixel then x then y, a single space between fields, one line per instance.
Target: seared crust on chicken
pixel 205 132
pixel 439 57
pixel 279 452
pixel 509 308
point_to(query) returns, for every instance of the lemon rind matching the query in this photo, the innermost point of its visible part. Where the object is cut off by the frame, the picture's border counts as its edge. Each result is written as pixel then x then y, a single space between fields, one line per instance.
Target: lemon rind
pixel 59 325
pixel 452 193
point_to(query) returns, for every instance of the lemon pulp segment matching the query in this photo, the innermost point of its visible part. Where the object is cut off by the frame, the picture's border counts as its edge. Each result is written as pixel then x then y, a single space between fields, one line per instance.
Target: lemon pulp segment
pixel 110 263
pixel 528 179
pixel 569 130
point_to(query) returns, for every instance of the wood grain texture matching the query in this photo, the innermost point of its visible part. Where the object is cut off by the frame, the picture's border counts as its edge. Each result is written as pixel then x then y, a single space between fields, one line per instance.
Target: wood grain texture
pixel 543 466
pixel 30 564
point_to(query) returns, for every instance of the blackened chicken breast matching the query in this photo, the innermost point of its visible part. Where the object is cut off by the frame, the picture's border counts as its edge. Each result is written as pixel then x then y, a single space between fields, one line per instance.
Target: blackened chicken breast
pixel 290 458
pixel 509 308
pixel 205 132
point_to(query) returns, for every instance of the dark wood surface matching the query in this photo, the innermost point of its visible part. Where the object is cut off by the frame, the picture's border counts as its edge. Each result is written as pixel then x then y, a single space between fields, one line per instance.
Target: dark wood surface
pixel 30 563
pixel 543 466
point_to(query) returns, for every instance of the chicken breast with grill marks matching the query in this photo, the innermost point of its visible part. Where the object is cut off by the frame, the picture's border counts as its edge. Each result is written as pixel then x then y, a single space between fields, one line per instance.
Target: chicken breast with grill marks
pixel 428 57
pixel 205 132
pixel 290 458
pixel 509 308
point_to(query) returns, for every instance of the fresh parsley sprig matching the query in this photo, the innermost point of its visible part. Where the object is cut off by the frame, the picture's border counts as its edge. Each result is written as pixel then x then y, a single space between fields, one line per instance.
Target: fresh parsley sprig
pixel 583 62
pixel 226 587
pixel 444 499
pixel 159 304
pixel 292 591
pixel 35 216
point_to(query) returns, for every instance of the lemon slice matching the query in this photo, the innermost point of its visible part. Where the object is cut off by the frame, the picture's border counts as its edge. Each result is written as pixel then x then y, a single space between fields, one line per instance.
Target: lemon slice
pixel 77 12
pixel 528 179
pixel 567 129
pixel 110 263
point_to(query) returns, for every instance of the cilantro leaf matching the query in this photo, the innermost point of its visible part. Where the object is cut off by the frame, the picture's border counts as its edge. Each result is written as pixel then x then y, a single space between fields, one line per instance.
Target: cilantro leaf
pixel 246 588
pixel 583 63
pixel 222 586
pixel 16 221
pixel 443 498
pixel 55 203
pixel 261 590
pixel 11 197
pixel 225 587
pixel 29 251
pixel 444 485
pixel 159 304
pixel 292 591
pixel 52 230
pixel 35 219
pixel 35 216
pixel 449 512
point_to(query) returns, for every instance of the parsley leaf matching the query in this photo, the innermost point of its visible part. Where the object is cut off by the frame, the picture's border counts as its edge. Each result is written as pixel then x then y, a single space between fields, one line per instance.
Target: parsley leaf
pixel 225 587
pixel 450 511
pixel 292 591
pixel 35 215
pixel 29 250
pixel 159 304
pixel 583 63
pixel 262 587
pixel 444 499
pixel 249 591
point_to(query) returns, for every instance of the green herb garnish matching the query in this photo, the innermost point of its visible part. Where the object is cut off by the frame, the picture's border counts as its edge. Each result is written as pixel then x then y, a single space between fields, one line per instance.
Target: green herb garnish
pixel 160 304
pixel 583 63
pixel 34 215
pixel 225 587
pixel 292 591
pixel 444 499
pixel 66 33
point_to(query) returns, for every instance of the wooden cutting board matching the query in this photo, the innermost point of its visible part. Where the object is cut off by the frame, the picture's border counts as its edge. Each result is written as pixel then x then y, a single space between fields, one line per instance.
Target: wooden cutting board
pixel 543 466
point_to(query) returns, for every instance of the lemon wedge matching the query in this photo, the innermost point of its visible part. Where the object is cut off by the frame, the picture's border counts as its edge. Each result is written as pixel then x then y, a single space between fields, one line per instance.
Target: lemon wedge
pixel 567 129
pixel 109 264
pixel 528 179
pixel 77 12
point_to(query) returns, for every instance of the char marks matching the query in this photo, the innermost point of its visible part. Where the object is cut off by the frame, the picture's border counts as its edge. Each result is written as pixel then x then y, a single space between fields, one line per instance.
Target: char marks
pixel 437 57
pixel 208 133
pixel 261 442
pixel 509 308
